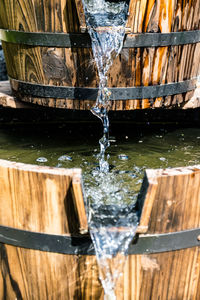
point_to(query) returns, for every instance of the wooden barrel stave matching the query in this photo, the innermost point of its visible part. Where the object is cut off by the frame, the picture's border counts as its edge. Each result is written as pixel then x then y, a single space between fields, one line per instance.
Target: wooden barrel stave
pixel 43 275
pixel 162 276
pixel 135 67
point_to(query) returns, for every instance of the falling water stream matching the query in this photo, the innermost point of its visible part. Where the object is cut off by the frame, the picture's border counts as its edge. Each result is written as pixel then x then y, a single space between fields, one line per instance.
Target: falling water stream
pixel 112 222
pixel 106 25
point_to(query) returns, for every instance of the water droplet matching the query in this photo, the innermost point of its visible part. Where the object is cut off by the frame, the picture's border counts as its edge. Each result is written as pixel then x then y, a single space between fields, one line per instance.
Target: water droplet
pixel 132 175
pixel 123 157
pixel 59 165
pixel 65 158
pixel 42 159
pixel 112 139
pixel 140 141
pixel 162 158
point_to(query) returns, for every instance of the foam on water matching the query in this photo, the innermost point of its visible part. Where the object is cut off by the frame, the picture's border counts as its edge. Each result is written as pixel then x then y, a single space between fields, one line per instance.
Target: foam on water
pixel 112 222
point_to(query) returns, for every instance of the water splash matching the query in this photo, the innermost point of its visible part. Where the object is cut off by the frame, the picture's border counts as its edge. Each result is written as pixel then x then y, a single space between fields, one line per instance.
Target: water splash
pixel 112 222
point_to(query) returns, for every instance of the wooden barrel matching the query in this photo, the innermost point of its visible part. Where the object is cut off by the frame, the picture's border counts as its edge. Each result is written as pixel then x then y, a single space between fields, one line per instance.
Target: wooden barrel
pixel 50 62
pixel 44 253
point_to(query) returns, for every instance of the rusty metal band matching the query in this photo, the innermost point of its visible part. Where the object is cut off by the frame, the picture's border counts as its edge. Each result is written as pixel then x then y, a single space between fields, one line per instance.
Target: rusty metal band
pixel 85 93
pixel 82 40
pixel 82 245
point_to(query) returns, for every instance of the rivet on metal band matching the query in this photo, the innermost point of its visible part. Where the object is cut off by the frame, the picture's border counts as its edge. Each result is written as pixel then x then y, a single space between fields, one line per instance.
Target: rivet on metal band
pixel 82 245
pixel 84 93
pixel 82 40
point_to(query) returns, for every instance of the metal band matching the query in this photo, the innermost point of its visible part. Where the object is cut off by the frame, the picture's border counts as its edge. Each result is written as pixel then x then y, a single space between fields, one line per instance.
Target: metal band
pixel 81 93
pixel 82 40
pixel 82 245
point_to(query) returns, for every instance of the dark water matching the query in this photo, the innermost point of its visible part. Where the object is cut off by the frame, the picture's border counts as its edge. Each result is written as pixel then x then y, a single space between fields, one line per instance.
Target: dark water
pixel 131 151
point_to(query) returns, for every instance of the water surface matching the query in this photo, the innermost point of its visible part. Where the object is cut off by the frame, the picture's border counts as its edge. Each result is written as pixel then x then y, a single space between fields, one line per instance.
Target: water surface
pixel 130 153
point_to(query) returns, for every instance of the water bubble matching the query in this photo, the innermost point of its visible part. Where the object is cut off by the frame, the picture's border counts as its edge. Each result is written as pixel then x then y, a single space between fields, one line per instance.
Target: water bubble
pixel 42 159
pixel 140 141
pixel 112 139
pixel 139 181
pixel 137 169
pixel 159 136
pixel 162 158
pixel 133 175
pixel 59 165
pixel 65 158
pixel 122 172
pixel 123 157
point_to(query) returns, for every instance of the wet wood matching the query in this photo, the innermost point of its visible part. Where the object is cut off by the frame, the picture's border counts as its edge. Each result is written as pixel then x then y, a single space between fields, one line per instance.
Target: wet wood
pixel 29 274
pixel 76 67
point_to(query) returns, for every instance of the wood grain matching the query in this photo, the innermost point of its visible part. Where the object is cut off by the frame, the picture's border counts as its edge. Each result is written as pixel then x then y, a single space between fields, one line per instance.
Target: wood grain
pixel 40 199
pixel 76 67
pixel 176 204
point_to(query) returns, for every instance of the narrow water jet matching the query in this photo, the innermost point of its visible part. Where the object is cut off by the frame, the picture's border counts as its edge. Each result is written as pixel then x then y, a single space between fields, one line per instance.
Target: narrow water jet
pixel 112 222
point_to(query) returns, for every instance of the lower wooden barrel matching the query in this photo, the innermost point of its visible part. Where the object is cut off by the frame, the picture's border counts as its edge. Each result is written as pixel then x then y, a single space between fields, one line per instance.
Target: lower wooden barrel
pixel 50 62
pixel 44 256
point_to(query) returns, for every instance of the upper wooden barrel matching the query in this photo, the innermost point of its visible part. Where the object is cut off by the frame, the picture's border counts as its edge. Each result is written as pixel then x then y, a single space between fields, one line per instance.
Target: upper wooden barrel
pixel 50 62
